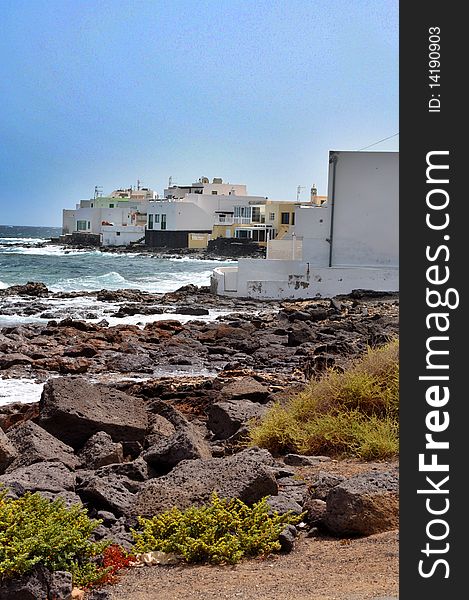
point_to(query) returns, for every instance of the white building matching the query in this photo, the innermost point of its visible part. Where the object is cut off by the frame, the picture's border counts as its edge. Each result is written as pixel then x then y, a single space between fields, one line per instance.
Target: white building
pixel 119 218
pixel 350 242
pixel 193 209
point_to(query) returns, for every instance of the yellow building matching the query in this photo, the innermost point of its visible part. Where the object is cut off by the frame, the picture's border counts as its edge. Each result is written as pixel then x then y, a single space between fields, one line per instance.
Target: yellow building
pixel 260 221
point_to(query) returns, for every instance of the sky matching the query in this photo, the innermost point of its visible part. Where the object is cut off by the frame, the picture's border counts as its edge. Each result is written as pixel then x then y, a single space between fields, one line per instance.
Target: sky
pixel 105 92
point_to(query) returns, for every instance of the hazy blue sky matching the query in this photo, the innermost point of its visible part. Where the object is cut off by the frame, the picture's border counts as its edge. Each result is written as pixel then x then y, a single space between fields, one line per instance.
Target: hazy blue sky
pixel 102 92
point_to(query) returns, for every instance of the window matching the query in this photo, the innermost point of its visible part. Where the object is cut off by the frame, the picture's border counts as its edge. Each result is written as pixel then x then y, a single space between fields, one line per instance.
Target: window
pixel 91 205
pixel 256 214
pixel 111 206
pixel 285 218
pixel 242 211
pixel 243 234
pixel 214 192
pixel 81 225
pixel 271 216
pixel 118 232
pixel 221 218
pixel 258 235
pixel 157 218
pixel 150 221
pixel 163 221
pixel 293 218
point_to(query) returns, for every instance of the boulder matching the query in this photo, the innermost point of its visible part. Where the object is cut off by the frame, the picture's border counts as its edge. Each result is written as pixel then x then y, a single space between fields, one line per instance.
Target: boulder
pixel 100 450
pixel 166 453
pixel 320 487
pixel 315 511
pixel 32 288
pixel 51 477
pixel 132 363
pixel 302 460
pixel 244 475
pixel 364 504
pixel 282 504
pixel 137 470
pixel 192 310
pixel 225 418
pixel 8 452
pixel 15 358
pixel 300 333
pixel 246 388
pixel 34 444
pixel 39 584
pixel 113 493
pixel 287 538
pixel 72 410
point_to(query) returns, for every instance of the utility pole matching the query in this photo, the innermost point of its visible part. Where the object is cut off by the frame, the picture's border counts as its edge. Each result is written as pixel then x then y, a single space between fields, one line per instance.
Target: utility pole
pixel 298 192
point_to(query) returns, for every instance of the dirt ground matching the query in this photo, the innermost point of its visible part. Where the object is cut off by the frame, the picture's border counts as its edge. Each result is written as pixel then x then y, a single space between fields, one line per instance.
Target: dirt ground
pixel 319 568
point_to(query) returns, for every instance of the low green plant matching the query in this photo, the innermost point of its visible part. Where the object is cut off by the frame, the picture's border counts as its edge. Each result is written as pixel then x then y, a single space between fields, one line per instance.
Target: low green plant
pixel 34 530
pixel 223 531
pixel 355 413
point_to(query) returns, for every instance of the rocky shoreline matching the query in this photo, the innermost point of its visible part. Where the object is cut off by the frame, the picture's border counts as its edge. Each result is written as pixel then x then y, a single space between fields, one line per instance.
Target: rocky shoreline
pixel 143 442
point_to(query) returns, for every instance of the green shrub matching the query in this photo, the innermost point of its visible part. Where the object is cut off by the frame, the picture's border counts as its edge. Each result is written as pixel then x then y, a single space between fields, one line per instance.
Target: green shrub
pixel 223 531
pixel 355 413
pixel 34 530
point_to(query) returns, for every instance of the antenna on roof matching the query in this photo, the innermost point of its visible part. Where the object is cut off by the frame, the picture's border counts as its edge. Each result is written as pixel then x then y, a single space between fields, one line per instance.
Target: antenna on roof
pixel 98 191
pixel 170 181
pixel 298 191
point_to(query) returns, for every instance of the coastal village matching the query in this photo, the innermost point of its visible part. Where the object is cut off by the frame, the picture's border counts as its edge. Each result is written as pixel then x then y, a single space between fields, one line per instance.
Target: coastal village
pixel 250 422
pixel 321 247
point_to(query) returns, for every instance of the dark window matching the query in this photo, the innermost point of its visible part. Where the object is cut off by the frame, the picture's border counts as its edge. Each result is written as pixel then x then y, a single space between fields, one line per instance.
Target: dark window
pixel 111 206
pixel 285 218
pixel 118 232
pixel 150 221
pixel 293 218
pixel 163 221
pixel 214 193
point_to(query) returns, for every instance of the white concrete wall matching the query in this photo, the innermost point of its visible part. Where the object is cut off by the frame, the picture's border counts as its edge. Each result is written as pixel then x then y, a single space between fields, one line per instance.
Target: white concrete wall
pixel 68 220
pixel 121 236
pixel 297 279
pixel 365 209
pixel 196 212
pixel 95 216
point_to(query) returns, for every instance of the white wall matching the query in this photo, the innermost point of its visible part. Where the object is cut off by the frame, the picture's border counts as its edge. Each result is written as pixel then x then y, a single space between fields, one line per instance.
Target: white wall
pixel 196 212
pixel 121 236
pixel 298 279
pixel 365 208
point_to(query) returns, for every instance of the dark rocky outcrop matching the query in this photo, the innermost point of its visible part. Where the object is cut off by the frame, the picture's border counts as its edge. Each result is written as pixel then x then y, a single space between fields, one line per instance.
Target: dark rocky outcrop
pixel 225 418
pixel 100 450
pixel 39 584
pixel 51 477
pixel 34 444
pixel 244 475
pixel 8 452
pixel 73 410
pixel 363 504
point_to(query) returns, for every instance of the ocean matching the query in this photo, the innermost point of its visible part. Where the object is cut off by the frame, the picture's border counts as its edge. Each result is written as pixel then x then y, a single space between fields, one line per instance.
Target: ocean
pixel 23 259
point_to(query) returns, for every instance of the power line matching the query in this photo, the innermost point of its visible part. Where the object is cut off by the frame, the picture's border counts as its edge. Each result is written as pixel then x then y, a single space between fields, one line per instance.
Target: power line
pixel 379 142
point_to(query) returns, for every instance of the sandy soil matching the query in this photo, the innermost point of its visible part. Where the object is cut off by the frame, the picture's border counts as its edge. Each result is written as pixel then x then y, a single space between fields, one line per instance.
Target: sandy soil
pixel 317 569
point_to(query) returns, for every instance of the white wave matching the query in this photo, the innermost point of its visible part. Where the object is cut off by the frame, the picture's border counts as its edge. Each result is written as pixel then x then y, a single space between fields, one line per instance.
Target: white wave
pixel 22 240
pixel 45 251
pixel 109 281
pixel 142 320
pixel 159 283
pixel 19 390
pixel 3 286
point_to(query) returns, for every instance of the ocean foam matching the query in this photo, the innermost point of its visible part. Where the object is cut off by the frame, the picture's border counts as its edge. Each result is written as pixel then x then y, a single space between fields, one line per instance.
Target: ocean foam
pixel 19 390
